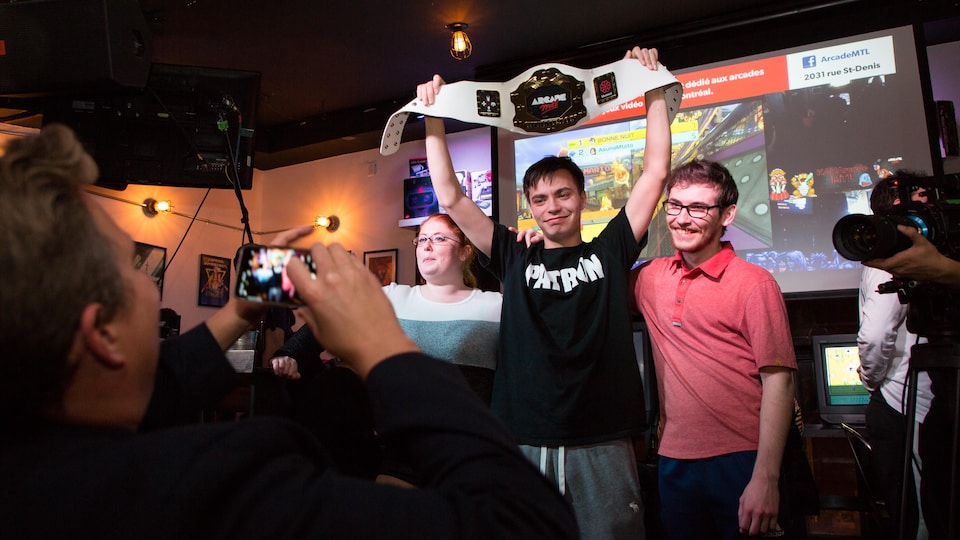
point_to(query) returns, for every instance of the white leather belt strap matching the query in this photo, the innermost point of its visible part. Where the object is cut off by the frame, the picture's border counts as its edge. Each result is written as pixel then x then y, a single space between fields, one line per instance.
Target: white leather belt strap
pixel 543 99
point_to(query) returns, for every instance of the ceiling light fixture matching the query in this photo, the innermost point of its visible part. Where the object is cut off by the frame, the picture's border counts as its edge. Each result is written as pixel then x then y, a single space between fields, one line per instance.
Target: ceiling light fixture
pixel 152 207
pixel 331 223
pixel 460 46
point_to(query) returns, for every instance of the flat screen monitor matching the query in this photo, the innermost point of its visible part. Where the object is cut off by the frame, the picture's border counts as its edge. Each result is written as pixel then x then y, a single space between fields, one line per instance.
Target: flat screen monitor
pixel 841 397
pixel 190 127
pixel 471 156
pixel 806 133
pixel 420 201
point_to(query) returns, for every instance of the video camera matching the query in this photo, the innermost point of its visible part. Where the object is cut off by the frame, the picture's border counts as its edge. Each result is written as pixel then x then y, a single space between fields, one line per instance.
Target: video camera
pixel 859 237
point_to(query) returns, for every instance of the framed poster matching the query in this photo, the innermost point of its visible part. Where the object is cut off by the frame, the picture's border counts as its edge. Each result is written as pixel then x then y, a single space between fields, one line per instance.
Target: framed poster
pixel 151 260
pixel 214 289
pixel 383 264
pixel 418 167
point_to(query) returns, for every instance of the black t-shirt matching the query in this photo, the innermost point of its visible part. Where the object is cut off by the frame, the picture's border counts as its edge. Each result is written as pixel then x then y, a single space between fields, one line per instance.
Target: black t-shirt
pixel 567 373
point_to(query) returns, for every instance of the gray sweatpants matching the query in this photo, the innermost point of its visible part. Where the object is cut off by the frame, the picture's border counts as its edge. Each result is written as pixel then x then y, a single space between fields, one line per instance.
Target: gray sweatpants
pixel 600 481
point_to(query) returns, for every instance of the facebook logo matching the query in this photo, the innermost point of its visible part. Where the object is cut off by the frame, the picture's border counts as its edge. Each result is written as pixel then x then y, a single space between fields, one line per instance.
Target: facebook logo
pixel 809 61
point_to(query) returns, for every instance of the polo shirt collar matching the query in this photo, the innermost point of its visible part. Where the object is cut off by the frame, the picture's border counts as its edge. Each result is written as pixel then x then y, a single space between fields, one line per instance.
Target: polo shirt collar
pixel 714 266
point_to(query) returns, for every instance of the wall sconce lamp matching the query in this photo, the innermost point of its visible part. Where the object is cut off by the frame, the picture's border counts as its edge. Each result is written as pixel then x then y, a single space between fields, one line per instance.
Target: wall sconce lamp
pixel 330 223
pixel 460 46
pixel 152 207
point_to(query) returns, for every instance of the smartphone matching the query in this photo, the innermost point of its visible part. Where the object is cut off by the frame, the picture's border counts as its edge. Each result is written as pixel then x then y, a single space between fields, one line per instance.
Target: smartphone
pixel 262 274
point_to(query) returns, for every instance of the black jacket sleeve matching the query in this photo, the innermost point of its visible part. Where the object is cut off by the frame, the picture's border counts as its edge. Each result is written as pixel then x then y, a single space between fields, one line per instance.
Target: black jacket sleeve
pixel 477 484
pixel 192 374
pixel 305 349
pixel 269 478
pixel 262 480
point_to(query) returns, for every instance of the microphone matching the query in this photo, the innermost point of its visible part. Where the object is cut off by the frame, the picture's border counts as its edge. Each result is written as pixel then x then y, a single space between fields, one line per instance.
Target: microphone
pixel 226 102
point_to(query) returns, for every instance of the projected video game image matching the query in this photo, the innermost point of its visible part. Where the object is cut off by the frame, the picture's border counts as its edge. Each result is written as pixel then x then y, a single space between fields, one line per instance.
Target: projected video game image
pixel 608 155
pixel 806 134
pixel 611 157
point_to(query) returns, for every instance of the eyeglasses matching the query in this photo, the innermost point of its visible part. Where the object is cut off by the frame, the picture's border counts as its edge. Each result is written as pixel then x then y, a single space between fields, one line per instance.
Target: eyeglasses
pixel 434 239
pixel 697 211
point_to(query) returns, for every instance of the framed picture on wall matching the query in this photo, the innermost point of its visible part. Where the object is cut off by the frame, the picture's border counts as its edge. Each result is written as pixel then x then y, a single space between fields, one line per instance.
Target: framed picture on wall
pixel 383 264
pixel 214 283
pixel 151 260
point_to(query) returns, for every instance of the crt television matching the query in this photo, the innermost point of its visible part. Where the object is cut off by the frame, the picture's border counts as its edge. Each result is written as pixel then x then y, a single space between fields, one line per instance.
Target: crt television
pixel 419 200
pixel 840 395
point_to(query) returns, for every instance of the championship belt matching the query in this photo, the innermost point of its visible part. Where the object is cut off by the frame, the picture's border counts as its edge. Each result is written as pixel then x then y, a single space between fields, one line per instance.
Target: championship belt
pixel 544 99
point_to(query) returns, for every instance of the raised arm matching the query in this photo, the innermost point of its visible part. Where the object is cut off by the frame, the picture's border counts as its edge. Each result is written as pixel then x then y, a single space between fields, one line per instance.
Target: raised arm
pixel 656 154
pixel 467 215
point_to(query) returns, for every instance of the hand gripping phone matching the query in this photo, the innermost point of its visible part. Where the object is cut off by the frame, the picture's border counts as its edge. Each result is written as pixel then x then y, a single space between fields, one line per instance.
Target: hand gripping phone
pixel 262 274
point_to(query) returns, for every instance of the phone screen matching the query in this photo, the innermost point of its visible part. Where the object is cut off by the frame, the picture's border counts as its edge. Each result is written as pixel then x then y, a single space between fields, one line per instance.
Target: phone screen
pixel 262 275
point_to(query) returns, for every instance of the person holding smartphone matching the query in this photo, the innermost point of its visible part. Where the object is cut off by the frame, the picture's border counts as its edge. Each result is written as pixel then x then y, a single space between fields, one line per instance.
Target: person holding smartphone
pixel 194 375
pixel 447 316
pixel 76 389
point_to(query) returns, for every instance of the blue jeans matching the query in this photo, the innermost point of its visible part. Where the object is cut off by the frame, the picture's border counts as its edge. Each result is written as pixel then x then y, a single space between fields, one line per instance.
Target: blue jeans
pixel 699 498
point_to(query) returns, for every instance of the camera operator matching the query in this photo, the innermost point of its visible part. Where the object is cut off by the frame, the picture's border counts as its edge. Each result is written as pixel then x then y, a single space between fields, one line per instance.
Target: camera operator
pixel 884 347
pixel 922 261
pixel 80 355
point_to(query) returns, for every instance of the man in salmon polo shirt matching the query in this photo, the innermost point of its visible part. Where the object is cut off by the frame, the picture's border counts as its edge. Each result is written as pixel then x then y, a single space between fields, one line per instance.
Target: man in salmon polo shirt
pixel 724 360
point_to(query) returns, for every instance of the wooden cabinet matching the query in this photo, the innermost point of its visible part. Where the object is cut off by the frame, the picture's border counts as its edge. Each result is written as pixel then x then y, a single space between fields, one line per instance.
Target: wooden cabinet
pixel 835 472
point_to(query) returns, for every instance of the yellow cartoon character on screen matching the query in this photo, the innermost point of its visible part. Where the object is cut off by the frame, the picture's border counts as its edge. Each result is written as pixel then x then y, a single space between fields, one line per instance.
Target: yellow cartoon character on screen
pixel 620 173
pixel 882 172
pixel 778 185
pixel 803 185
pixel 606 203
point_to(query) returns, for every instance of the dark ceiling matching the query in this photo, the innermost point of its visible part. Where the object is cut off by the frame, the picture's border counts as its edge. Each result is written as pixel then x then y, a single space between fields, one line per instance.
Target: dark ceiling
pixel 333 71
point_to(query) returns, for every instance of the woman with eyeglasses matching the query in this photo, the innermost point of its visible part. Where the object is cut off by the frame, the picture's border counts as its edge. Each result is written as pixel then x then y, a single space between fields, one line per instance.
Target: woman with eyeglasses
pixel 447 316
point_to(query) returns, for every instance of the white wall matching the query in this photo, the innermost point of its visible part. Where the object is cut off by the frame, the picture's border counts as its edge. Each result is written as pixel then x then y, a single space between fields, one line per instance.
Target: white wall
pixel 181 280
pixel 945 81
pixel 364 189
